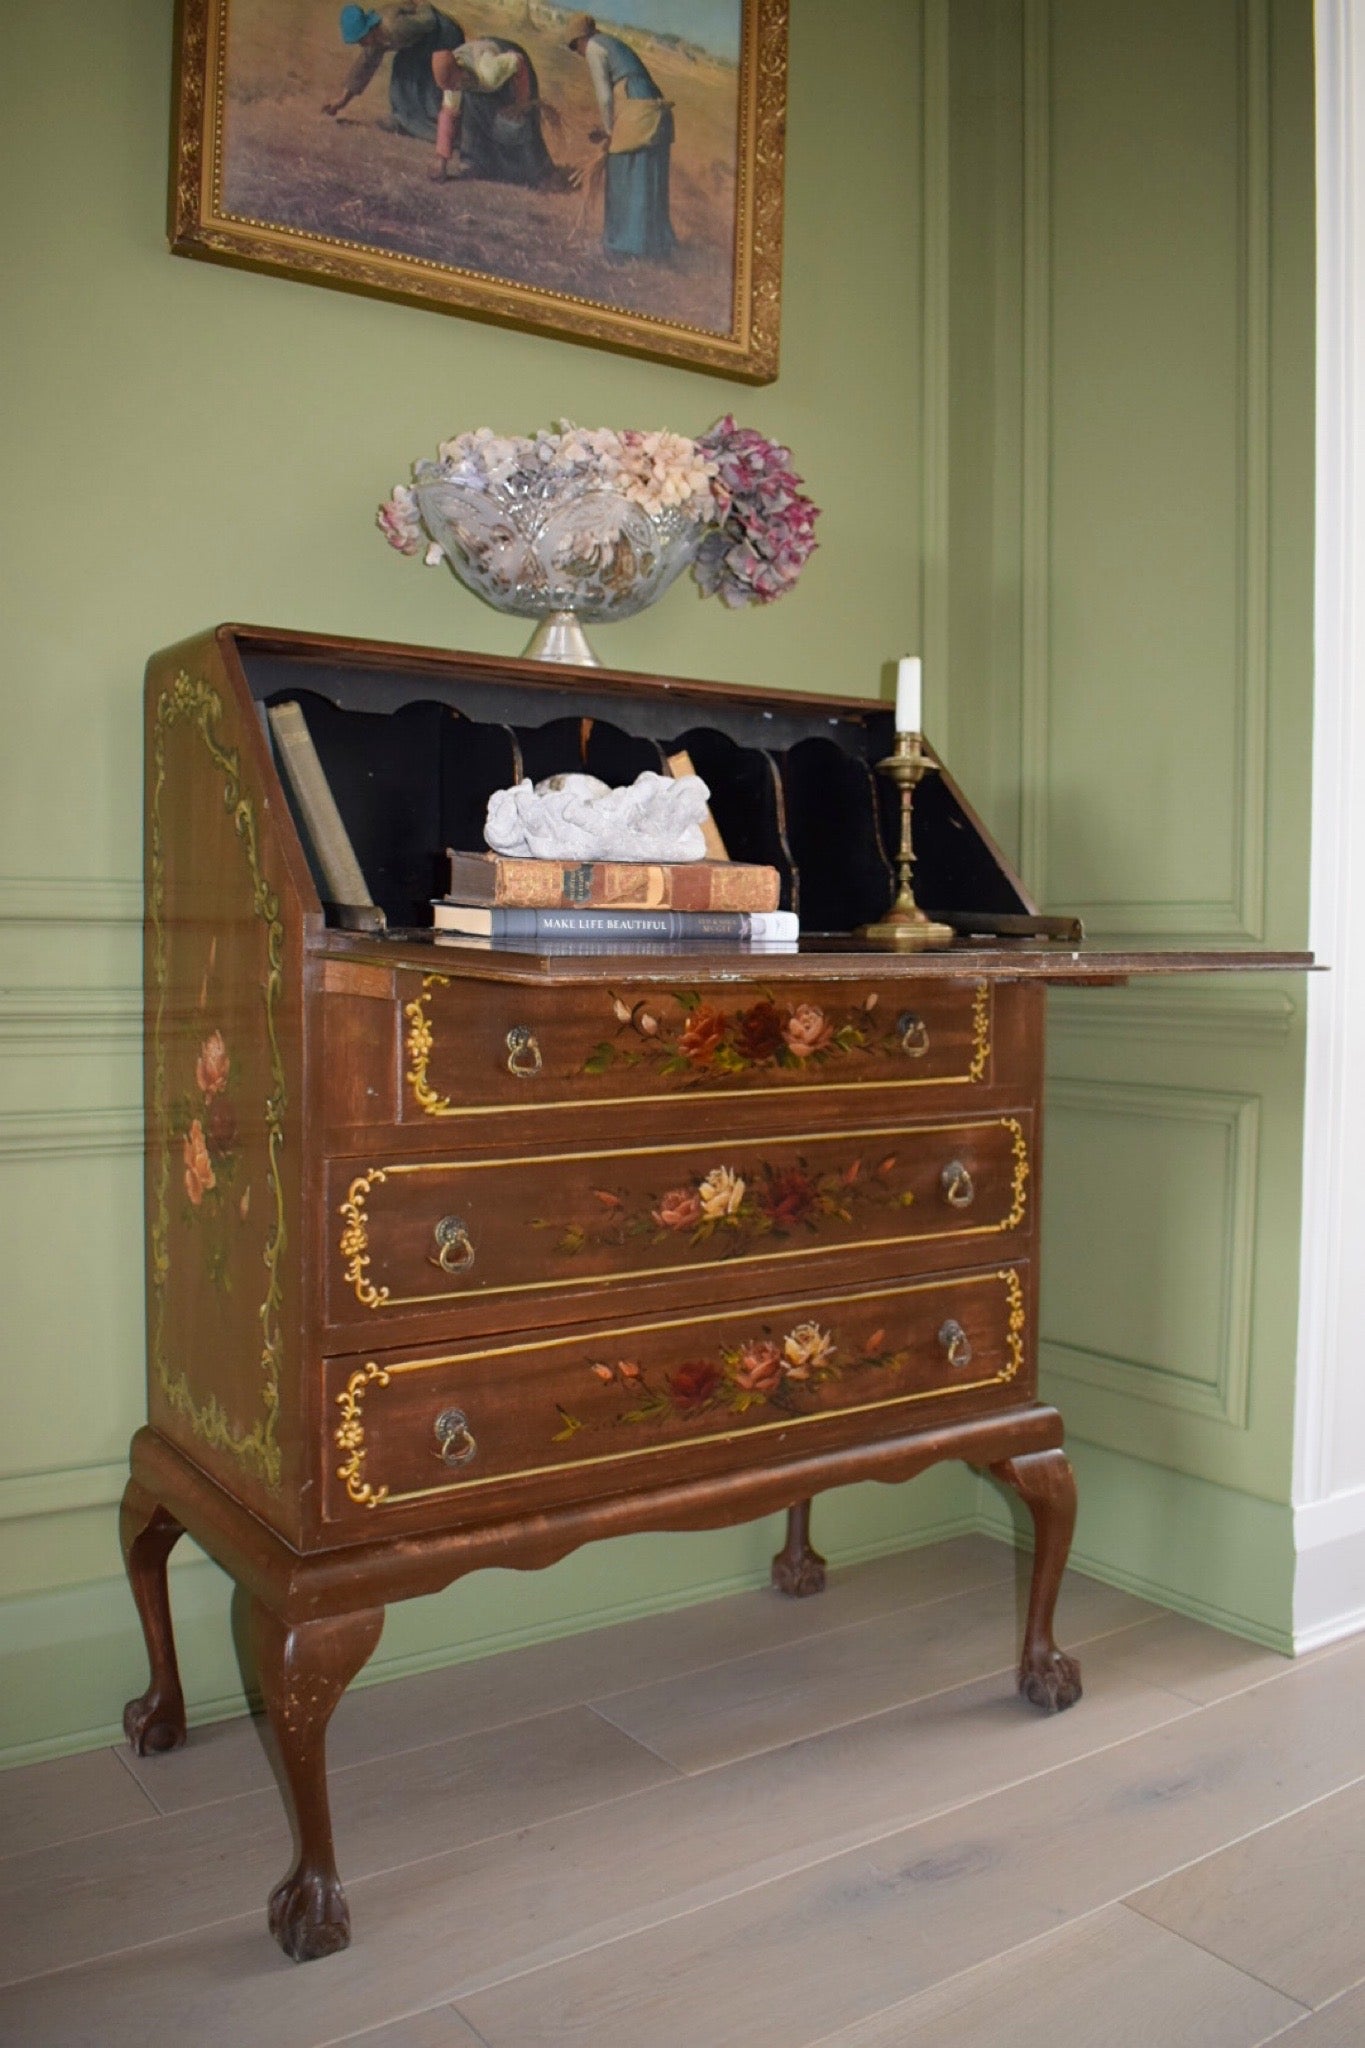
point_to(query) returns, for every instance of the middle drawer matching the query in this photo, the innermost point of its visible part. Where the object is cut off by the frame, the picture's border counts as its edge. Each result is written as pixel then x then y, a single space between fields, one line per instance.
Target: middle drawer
pixel 421 1236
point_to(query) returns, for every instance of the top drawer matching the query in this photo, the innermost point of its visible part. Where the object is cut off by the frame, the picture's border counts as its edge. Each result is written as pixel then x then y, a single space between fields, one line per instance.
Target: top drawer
pixel 471 1047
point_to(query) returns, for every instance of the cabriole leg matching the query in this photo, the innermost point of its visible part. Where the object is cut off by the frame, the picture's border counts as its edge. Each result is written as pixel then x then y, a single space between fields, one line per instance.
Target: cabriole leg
pixel 797 1569
pixel 303 1671
pixel 149 1533
pixel 1046 1484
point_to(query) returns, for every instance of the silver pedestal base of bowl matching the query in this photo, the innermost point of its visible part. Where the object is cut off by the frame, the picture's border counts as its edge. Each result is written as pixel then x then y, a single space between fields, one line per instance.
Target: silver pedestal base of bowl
pixel 559 637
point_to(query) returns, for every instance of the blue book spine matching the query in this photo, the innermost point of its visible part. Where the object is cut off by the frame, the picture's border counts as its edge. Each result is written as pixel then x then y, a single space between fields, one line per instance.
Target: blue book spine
pixel 510 923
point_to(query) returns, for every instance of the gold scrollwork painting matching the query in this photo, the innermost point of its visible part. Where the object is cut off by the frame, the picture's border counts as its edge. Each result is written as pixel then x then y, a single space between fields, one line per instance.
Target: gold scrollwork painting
pixel 349 1435
pixel 616 182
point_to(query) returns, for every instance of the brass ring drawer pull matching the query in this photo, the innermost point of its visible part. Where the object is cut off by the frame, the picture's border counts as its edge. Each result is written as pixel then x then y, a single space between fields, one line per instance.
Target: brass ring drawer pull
pixel 956 1343
pixel 914 1034
pixel 455 1253
pixel 455 1437
pixel 523 1053
pixel 959 1190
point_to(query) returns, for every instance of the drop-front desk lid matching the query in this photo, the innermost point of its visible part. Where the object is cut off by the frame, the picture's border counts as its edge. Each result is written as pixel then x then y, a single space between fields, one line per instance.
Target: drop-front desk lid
pixel 833 957
pixel 411 742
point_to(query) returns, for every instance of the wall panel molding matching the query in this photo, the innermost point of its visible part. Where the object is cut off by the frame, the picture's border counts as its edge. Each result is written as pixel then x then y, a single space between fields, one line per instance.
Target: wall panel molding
pixel 71 1133
pixel 69 899
pixel 59 1019
pixel 1035 539
pixel 57 1492
pixel 1187 1016
pixel 1223 1393
pixel 1243 913
pixel 935 453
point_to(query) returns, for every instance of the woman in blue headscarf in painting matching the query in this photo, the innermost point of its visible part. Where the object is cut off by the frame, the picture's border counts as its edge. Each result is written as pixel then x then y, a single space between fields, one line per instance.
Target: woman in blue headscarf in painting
pixel 414 32
pixel 637 133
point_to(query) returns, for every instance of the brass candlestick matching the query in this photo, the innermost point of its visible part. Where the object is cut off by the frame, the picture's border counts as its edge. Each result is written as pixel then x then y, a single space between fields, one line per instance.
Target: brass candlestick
pixel 905 923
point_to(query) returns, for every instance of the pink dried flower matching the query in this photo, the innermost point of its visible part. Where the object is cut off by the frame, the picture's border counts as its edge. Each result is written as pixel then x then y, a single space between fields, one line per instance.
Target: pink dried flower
pixel 766 529
pixel 400 523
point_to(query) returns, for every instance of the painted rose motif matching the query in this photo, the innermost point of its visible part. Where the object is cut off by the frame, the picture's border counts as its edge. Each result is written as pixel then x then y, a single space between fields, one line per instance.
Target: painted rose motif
pixel 691 1040
pixel 204 1118
pixel 213 1066
pixel 721 1193
pixel 199 1174
pixel 758 1031
pixel 764 1368
pixel 220 1125
pixel 731 1207
pixel 758 1369
pixel 679 1209
pixel 787 1194
pixel 691 1387
pixel 806 1350
pixel 808 1030
pixel 702 1035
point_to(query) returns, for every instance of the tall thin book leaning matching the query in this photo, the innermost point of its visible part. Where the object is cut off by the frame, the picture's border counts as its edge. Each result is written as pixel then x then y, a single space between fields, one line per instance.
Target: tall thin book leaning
pixel 343 882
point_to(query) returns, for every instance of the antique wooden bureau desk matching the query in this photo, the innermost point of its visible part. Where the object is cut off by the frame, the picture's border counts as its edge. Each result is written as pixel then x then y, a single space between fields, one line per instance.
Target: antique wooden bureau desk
pixel 462 1257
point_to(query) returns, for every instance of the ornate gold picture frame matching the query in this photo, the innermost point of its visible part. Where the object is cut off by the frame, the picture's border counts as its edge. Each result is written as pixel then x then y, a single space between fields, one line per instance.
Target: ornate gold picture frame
pixel 614 181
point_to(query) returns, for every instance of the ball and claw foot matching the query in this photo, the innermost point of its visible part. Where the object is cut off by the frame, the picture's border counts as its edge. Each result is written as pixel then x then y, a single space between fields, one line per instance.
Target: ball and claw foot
pixel 799 1576
pixel 154 1723
pixel 309 1916
pixel 1051 1681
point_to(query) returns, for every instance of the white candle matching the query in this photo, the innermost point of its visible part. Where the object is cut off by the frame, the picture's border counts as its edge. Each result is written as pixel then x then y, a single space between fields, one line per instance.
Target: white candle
pixel 909 713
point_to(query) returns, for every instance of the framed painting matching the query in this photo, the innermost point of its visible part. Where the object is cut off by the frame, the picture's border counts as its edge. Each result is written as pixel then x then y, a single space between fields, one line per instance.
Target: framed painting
pixel 614 179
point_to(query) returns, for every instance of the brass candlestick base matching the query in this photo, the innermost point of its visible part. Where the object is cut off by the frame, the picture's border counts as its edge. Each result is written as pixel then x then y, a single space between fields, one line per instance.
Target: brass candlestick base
pixel 905 924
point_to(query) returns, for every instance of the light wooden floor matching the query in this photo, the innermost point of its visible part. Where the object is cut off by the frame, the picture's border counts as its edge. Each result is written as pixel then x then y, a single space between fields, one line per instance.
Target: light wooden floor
pixel 757 1822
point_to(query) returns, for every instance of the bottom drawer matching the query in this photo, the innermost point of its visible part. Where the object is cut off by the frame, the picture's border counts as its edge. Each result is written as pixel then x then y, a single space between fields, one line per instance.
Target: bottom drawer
pixel 581 1415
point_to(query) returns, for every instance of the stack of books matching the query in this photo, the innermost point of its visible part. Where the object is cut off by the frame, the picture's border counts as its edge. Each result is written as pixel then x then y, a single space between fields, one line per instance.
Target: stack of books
pixel 607 902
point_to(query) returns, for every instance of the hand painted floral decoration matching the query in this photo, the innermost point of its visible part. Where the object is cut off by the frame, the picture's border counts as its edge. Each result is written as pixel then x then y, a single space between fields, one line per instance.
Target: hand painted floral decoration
pixel 772 1368
pixel 730 1207
pixel 698 1039
pixel 758 527
pixel 206 1124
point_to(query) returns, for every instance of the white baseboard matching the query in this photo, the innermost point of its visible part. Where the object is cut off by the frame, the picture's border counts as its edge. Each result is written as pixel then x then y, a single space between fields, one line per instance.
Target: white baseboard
pixel 1329 1569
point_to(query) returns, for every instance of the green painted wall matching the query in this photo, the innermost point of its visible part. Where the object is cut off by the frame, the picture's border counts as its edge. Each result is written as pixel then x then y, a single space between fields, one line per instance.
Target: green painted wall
pixel 187 444
pixel 1131 677
pixel 1047 333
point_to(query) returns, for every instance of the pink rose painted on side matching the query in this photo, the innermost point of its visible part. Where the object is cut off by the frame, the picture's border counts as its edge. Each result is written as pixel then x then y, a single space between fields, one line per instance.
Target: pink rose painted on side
pixel 199 1175
pixel 213 1066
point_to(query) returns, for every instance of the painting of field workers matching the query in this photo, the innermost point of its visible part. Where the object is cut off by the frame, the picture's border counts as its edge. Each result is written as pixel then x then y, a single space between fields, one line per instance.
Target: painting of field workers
pixel 590 157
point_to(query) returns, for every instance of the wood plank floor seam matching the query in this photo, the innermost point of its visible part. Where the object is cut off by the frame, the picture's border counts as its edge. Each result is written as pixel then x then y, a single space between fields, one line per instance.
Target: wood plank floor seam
pixel 1191 1940
pixel 1014 1953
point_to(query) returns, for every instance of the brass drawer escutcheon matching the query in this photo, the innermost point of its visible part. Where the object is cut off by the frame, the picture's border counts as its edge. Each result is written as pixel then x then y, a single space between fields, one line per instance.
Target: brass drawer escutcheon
pixel 523 1053
pixel 956 1343
pixel 914 1034
pixel 455 1437
pixel 455 1247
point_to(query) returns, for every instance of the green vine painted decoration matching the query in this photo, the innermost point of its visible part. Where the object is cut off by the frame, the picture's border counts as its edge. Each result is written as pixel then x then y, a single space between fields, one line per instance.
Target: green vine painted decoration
pixel 193 701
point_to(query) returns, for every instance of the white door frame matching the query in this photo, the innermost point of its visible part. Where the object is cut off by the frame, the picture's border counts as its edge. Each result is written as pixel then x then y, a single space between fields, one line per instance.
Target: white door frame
pixel 1329 1433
